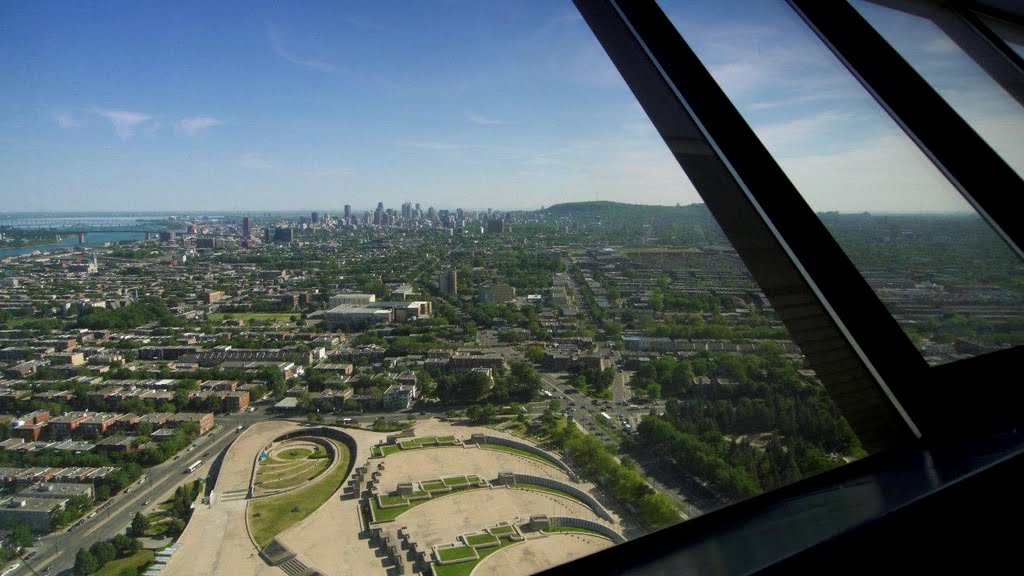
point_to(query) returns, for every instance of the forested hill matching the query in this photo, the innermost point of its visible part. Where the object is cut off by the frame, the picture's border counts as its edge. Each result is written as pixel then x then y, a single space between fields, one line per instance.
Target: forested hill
pixel 618 210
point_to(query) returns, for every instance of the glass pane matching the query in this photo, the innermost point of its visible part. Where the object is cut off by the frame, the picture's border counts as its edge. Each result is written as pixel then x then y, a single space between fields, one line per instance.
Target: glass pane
pixel 982 102
pixel 952 284
pixel 1012 35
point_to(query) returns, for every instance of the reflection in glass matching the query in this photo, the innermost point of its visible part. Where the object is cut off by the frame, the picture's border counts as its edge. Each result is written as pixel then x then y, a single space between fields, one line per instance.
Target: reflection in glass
pixel 975 95
pixel 1012 35
pixel 952 284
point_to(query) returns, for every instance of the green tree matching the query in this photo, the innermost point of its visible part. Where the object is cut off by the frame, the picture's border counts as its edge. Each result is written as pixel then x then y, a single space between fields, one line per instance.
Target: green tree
pixel 21 534
pixel 103 552
pixel 85 563
pixel 534 354
pixel 139 524
pixel 657 511
pixel 125 546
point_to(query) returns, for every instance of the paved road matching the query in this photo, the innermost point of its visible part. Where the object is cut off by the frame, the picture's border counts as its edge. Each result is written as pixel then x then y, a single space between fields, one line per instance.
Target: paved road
pixel 56 551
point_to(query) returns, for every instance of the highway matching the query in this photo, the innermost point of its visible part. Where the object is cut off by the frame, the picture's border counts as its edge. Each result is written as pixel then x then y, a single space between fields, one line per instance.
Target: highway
pixel 55 553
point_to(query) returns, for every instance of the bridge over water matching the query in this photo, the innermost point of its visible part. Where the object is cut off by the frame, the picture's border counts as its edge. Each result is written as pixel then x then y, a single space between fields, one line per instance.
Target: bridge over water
pixel 81 226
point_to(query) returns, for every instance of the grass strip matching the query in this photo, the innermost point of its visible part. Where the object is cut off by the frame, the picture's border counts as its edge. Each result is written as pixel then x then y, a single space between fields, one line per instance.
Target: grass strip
pixel 278 513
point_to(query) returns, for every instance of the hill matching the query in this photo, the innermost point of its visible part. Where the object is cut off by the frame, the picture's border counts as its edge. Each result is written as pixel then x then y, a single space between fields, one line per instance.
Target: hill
pixel 606 210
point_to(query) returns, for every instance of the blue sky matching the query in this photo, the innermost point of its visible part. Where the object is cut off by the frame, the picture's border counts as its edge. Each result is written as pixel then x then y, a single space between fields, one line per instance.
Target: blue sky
pixel 313 105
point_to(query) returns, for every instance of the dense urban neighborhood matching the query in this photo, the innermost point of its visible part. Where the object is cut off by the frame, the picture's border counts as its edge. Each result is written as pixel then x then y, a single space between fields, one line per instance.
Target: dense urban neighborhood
pixel 627 345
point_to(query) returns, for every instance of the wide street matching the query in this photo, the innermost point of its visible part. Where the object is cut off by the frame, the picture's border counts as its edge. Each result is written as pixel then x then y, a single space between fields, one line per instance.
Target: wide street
pixel 56 552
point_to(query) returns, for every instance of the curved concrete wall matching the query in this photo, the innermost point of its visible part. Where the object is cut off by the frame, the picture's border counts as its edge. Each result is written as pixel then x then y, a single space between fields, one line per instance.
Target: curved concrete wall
pixel 569 489
pixel 589 525
pixel 485 439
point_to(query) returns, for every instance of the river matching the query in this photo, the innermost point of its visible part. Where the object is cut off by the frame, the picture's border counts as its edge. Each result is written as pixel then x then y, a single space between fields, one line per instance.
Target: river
pixel 91 239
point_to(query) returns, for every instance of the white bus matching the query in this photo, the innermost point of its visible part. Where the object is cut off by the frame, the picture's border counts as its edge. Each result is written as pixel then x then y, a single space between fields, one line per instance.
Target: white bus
pixel 193 467
pixel 606 417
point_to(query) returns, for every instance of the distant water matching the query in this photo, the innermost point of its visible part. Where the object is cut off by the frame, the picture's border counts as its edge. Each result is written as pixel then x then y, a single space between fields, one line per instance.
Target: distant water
pixel 91 239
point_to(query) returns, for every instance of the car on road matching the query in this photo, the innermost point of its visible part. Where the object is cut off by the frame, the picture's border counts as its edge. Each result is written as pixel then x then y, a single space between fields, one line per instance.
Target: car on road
pixel 31 555
pixel 146 503
pixel 91 514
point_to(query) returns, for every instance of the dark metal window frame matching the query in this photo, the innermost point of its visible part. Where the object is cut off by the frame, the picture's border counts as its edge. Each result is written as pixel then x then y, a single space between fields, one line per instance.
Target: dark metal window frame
pixel 879 380
pixel 892 398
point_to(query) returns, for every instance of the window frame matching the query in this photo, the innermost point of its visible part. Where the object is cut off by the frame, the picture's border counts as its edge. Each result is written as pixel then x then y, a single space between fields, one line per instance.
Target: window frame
pixel 897 404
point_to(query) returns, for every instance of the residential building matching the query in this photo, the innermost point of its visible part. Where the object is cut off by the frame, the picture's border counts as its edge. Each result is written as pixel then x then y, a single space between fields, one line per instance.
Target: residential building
pixel 31 510
pixel 355 299
pixel 399 396
pixel 448 281
pixel 497 293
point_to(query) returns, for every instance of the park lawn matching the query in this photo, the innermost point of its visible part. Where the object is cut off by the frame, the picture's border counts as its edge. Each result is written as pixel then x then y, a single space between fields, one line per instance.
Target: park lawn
pixel 134 562
pixel 574 529
pixel 432 485
pixel 426 440
pixel 455 481
pixel 555 491
pixel 473 479
pixel 446 439
pixel 409 445
pixel 521 452
pixel 295 454
pixel 292 481
pixel 657 250
pixel 269 473
pixel 276 511
pixel 389 514
pixel 456 553
pixel 501 530
pixel 481 539
pixel 392 500
pixel 247 316
pixel 466 568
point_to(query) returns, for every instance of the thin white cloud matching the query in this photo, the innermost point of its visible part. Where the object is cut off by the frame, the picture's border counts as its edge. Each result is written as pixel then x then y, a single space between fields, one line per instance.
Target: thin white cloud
pixel 278 45
pixel 364 24
pixel 193 126
pixel 337 171
pixel 254 161
pixel 783 135
pixel 65 119
pixel 124 122
pixel 483 120
pixel 433 145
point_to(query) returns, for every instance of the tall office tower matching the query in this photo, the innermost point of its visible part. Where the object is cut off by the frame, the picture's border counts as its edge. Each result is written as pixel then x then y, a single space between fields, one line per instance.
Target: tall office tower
pixel 445 216
pixel 431 213
pixel 448 281
pixel 246 227
pixel 348 212
pixel 315 217
pixel 418 207
pixel 407 210
pixel 380 206
pixel 460 214
pixel 284 235
pixel 496 226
